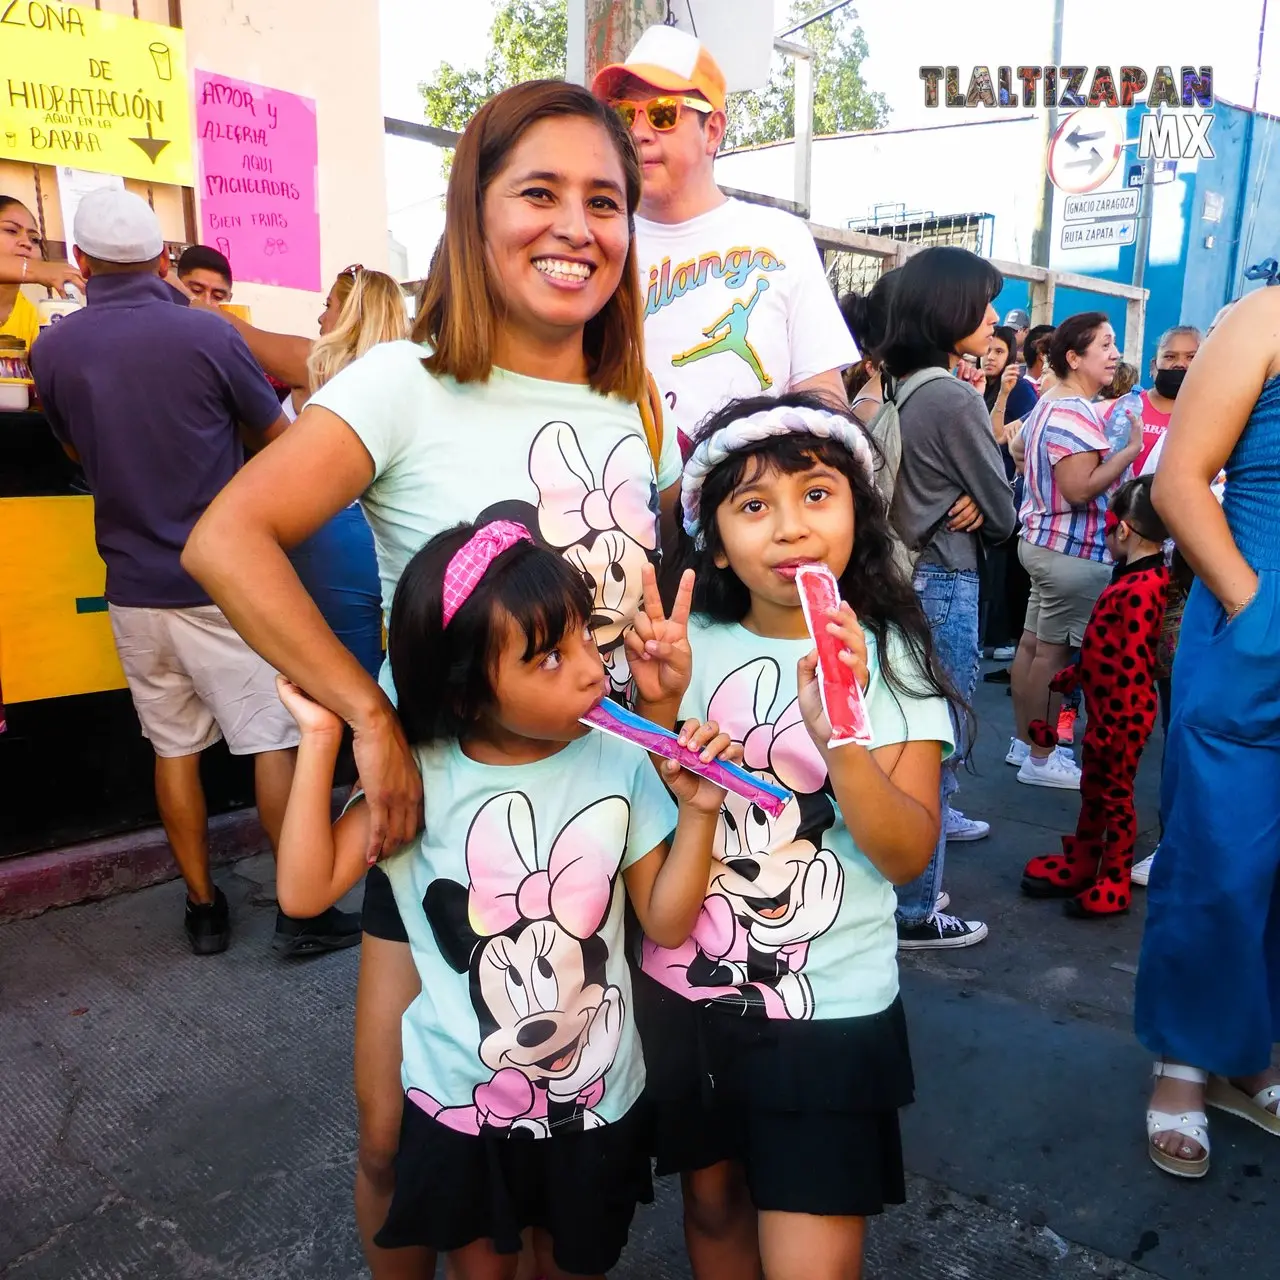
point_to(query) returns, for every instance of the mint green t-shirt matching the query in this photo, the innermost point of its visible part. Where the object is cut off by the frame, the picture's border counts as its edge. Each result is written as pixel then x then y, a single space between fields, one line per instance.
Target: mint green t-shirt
pixel 512 898
pixel 571 465
pixel 797 921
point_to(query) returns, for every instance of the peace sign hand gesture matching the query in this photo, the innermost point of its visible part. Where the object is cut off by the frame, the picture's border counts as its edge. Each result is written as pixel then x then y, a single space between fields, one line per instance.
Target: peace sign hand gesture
pixel 658 646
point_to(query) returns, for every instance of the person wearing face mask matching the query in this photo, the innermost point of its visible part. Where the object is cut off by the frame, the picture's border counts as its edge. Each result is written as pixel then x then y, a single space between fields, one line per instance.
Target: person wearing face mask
pixel 950 499
pixel 1174 353
pixel 736 301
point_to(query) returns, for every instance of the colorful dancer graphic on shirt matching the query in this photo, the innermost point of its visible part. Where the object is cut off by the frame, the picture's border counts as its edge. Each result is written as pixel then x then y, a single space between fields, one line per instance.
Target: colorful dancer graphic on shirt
pixel 729 333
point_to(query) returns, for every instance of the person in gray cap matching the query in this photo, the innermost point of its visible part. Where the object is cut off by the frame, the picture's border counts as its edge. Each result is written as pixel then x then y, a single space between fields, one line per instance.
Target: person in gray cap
pixel 151 397
pixel 1020 322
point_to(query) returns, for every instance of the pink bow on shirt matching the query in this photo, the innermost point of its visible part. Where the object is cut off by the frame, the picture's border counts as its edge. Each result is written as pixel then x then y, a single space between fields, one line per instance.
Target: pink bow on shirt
pixel 572 504
pixel 783 747
pixel 576 888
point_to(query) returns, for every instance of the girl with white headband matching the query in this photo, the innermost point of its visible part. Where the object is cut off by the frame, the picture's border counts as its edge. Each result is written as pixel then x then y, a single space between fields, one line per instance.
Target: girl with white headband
pixel 774 1036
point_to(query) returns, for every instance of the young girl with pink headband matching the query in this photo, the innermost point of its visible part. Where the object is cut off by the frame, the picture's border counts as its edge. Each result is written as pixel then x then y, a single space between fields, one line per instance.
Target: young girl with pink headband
pixel 774 1035
pixel 522 1065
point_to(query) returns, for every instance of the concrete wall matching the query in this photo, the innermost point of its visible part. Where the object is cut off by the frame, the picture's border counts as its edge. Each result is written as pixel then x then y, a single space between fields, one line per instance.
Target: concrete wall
pixel 324 49
pixel 994 164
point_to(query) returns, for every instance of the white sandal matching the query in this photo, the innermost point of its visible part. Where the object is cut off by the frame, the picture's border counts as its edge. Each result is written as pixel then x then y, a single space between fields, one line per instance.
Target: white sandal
pixel 1221 1093
pixel 1193 1125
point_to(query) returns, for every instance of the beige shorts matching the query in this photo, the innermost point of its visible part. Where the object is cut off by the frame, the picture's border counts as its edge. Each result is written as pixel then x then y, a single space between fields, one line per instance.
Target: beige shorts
pixel 194 680
pixel 1064 590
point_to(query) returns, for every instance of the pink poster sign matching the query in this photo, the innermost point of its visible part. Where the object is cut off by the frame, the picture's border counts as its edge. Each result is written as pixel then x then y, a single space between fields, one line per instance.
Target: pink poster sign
pixel 258 199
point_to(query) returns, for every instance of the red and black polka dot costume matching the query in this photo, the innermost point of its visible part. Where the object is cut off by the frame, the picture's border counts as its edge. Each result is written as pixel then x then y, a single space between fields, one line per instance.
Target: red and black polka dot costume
pixel 1117 674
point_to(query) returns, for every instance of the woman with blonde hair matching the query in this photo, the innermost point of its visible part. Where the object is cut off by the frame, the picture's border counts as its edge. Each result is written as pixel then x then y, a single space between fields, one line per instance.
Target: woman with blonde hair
pixel 520 397
pixel 337 564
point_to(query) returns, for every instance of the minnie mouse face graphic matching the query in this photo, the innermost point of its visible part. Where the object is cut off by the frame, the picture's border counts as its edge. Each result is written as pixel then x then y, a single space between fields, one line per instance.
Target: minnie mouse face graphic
pixel 773 887
pixel 604 523
pixel 549 1020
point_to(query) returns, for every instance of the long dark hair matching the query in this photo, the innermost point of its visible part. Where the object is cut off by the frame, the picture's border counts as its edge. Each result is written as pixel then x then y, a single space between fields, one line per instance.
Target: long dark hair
pixel 444 675
pixel 866 316
pixel 1010 340
pixel 880 593
pixel 940 297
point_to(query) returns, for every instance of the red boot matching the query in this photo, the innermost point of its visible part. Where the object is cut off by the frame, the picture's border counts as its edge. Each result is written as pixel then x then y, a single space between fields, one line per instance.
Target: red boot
pixel 1054 875
pixel 1109 895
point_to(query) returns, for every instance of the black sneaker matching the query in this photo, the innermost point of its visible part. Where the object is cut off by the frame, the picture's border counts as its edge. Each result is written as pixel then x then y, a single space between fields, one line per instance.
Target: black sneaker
pixel 331 930
pixel 939 933
pixel 208 925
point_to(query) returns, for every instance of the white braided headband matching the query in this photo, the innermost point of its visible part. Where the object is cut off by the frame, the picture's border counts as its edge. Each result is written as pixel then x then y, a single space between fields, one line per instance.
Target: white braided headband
pixel 784 420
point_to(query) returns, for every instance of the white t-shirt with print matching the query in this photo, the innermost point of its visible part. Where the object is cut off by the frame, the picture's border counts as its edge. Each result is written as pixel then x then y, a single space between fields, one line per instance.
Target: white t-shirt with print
pixel 797 922
pixel 512 898
pixel 571 465
pixel 736 304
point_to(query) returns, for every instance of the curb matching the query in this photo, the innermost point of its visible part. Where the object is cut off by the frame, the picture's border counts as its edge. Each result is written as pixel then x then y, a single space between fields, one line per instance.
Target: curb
pixel 39 882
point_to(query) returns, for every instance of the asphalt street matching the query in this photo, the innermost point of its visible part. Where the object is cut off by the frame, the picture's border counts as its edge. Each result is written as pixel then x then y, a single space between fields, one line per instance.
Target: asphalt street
pixel 168 1116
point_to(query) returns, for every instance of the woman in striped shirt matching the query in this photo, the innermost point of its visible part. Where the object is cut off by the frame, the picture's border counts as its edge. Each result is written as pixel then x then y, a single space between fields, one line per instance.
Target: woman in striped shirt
pixel 1070 472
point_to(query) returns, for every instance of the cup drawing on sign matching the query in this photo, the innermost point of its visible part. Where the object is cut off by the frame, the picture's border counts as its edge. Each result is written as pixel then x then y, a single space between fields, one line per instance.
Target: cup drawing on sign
pixel 274 246
pixel 223 245
pixel 163 59
pixel 11 138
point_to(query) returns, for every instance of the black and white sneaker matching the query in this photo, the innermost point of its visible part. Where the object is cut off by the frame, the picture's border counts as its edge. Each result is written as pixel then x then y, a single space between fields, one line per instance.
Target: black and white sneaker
pixel 940 933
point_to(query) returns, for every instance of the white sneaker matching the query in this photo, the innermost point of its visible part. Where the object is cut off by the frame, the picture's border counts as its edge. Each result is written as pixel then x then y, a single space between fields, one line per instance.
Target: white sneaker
pixel 1018 752
pixel 1054 771
pixel 1141 872
pixel 961 829
pixel 1005 653
pixel 943 902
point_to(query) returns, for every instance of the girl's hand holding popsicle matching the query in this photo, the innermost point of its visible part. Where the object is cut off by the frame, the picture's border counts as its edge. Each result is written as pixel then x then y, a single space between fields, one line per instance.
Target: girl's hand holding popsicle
pixel 842 623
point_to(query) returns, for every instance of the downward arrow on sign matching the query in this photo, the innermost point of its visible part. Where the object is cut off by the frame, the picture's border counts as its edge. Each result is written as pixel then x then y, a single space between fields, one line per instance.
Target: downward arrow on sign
pixel 151 145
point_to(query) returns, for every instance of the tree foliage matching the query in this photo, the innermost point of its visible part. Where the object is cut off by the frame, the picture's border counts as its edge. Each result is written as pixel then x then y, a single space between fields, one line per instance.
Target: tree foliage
pixel 526 42
pixel 842 102
pixel 529 37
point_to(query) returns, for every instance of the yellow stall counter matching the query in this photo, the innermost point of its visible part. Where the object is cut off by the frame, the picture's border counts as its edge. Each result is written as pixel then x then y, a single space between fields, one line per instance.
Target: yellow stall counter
pixel 55 636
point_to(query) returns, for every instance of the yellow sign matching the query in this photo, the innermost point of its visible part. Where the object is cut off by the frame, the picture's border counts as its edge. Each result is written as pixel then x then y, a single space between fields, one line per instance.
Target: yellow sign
pixel 95 91
pixel 55 635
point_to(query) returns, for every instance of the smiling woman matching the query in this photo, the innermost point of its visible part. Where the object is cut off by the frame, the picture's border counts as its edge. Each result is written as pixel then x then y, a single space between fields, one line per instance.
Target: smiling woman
pixel 518 398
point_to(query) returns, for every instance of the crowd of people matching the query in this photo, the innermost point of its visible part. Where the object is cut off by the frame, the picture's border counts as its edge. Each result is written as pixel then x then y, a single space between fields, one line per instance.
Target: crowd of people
pixel 627 412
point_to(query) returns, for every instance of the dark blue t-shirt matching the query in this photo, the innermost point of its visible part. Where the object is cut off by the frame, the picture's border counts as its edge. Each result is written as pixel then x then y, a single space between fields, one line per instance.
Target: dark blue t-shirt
pixel 1022 399
pixel 150 395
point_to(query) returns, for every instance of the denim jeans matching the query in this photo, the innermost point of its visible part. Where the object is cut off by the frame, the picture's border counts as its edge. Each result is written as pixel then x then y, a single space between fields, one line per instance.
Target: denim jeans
pixel 950 601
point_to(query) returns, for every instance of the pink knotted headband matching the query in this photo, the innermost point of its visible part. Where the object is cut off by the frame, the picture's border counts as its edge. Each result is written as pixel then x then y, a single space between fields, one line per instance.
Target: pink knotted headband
pixel 471 562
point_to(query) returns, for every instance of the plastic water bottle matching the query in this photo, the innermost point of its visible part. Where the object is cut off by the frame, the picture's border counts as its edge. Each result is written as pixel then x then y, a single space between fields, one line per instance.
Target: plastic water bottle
pixel 1128 410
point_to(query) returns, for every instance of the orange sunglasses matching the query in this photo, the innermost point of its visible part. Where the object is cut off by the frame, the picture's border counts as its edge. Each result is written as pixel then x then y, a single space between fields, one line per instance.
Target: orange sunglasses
pixel 662 113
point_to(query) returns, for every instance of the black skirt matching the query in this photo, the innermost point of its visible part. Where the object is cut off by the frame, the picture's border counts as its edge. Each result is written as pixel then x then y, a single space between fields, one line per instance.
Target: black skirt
pixel 581 1188
pixel 380 917
pixel 809 1109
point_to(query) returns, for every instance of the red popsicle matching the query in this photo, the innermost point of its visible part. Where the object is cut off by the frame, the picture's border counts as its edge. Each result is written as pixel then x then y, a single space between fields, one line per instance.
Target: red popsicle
pixel 841 695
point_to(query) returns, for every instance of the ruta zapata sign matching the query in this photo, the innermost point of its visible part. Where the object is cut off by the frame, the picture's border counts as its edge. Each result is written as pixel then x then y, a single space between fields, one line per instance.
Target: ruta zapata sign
pixel 259 202
pixel 95 91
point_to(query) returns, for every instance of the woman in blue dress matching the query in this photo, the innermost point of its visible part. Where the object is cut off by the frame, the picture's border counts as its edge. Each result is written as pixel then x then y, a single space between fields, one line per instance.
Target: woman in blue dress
pixel 1208 990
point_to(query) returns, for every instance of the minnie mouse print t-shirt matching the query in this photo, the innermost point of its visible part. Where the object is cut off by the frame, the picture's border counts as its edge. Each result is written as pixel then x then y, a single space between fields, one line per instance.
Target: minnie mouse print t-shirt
pixel 513 901
pixel 570 465
pixel 797 922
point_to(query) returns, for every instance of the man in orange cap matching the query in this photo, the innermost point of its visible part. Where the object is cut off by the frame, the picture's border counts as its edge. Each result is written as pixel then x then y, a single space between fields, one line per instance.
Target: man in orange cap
pixel 736 299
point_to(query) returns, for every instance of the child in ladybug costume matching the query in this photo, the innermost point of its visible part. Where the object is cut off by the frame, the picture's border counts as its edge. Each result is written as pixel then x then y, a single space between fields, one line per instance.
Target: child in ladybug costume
pixel 1116 671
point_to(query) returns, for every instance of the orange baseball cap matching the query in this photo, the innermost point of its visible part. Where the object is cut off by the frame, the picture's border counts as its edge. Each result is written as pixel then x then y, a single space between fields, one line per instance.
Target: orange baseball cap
pixel 669 59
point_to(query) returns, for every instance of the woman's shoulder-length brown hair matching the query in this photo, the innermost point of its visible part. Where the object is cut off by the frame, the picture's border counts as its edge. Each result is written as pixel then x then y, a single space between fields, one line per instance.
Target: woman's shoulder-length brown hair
pixel 459 311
